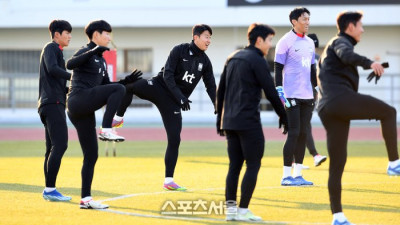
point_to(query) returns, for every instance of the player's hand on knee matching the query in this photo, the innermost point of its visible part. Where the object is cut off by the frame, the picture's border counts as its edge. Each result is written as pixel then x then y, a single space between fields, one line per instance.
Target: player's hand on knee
pixel 185 104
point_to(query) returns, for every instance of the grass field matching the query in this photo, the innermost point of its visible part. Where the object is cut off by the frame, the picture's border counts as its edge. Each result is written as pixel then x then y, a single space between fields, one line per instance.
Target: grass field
pixel 131 184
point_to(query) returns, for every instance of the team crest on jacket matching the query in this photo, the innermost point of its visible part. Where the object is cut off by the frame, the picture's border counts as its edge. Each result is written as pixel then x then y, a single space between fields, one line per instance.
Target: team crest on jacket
pixel 200 68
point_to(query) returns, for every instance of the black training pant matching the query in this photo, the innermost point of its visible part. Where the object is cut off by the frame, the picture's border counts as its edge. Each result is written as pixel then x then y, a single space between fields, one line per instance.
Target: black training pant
pixel 81 111
pixel 310 140
pixel 299 116
pixel 243 145
pixel 336 116
pixel 54 121
pixel 170 112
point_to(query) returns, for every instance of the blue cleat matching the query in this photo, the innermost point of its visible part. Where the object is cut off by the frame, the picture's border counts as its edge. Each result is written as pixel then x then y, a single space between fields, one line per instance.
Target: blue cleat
pixel 55 196
pixel 302 181
pixel 336 222
pixel 289 181
pixel 394 171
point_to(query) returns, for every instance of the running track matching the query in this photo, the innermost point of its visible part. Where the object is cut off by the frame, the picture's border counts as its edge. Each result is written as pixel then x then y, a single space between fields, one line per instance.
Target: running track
pixel 188 134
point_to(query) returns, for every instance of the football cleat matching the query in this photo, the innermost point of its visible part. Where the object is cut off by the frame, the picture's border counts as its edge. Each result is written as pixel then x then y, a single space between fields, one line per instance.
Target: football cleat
pixel 346 222
pixel 249 216
pixel 172 186
pixel 319 159
pixel 302 181
pixel 289 181
pixel 91 204
pixel 110 136
pixel 395 171
pixel 55 196
pixel 117 124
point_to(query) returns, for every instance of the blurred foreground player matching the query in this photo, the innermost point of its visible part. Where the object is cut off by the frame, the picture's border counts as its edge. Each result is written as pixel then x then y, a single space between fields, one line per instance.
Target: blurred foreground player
pixel 340 103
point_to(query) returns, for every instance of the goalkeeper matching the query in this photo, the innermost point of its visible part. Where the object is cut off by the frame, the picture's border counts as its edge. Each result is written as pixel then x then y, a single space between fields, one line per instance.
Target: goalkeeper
pixel 295 81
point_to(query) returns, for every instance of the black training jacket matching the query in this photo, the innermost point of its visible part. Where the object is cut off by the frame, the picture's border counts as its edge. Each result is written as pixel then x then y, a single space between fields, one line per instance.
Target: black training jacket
pixel 52 76
pixel 89 69
pixel 337 72
pixel 185 66
pixel 245 74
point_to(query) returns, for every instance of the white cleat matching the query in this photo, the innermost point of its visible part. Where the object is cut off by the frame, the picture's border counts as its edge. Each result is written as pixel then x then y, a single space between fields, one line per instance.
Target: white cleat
pixel 249 217
pixel 91 204
pixel 319 159
pixel 110 136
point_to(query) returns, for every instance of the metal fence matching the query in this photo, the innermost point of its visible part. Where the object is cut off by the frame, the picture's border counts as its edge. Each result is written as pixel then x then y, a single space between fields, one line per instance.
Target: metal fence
pixel 18 91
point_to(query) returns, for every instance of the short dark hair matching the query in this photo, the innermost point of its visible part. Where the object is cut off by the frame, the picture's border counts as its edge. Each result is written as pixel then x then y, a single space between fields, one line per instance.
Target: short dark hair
pixel 315 39
pixel 345 18
pixel 59 26
pixel 297 12
pixel 256 30
pixel 97 25
pixel 198 29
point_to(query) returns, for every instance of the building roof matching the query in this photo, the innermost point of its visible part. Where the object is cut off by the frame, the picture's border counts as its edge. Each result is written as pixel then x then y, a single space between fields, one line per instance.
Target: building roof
pixel 178 13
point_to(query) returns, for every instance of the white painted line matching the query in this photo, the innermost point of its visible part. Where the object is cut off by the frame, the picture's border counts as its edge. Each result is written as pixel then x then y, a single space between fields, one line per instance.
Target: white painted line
pixel 174 192
pixel 223 188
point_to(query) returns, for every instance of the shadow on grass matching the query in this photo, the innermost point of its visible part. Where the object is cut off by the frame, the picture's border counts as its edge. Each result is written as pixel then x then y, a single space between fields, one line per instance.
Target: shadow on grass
pixel 136 212
pixel 277 203
pixel 39 189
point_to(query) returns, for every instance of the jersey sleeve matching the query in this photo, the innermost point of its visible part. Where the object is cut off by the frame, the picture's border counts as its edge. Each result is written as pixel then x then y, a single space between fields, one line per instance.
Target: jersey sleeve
pixel 264 78
pixel 169 73
pixel 281 52
pixel 209 82
pixel 345 51
pixel 79 58
pixel 53 68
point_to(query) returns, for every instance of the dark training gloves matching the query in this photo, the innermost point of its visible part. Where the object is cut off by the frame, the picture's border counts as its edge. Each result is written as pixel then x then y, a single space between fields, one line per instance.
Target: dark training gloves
pixel 283 122
pixel 220 132
pixel 185 104
pixel 372 74
pixel 131 78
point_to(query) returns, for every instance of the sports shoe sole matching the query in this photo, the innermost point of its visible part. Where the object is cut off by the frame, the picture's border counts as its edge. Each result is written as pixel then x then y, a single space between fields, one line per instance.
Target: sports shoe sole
pixel 320 162
pixel 56 199
pixel 393 174
pixel 89 207
pixel 178 189
pixel 106 139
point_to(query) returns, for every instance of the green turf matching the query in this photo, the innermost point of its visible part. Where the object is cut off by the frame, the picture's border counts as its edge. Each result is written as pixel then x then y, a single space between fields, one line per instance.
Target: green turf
pixel 369 195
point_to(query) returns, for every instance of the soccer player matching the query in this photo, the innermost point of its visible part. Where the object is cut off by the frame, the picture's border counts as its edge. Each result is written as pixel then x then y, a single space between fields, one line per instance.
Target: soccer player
pixel 91 89
pixel 295 80
pixel 245 74
pixel 51 104
pixel 340 103
pixel 170 90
